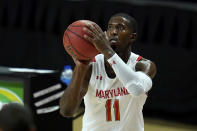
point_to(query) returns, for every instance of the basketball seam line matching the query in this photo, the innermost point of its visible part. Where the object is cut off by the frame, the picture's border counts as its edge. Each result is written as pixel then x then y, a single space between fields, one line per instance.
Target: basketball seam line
pixel 74 48
pixel 81 37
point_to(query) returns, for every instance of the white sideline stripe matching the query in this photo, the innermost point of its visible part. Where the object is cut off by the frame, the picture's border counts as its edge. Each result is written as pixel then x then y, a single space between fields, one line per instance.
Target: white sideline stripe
pixel 47 90
pixel 47 109
pixel 49 99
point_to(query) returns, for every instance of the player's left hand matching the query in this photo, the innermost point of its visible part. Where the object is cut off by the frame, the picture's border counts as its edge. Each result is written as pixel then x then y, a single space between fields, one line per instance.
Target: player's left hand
pixel 98 38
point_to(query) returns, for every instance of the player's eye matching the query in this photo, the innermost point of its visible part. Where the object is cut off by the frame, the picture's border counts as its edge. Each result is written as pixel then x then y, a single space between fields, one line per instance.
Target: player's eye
pixel 121 27
pixel 109 27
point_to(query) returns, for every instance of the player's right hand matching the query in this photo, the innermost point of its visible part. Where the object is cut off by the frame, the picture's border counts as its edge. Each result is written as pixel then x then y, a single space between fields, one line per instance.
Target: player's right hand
pixel 81 63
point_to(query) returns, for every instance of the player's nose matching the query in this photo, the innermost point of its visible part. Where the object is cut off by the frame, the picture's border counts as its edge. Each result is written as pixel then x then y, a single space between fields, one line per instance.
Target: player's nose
pixel 114 32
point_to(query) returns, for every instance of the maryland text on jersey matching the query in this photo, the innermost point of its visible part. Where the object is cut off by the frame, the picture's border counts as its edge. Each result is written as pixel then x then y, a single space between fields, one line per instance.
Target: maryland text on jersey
pixel 120 91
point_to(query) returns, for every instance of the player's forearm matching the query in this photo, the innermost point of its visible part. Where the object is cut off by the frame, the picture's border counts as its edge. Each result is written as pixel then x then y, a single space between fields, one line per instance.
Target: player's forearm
pixel 136 83
pixel 71 99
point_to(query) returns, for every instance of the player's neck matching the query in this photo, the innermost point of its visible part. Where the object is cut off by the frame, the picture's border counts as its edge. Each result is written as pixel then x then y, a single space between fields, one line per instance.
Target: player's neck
pixel 125 54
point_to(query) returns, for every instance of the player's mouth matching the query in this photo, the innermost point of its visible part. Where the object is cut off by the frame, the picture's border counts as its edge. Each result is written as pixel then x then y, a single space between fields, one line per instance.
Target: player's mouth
pixel 113 40
pixel 113 43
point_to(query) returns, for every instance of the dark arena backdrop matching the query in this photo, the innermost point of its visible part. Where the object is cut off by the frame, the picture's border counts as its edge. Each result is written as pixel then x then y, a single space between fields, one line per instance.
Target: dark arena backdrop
pixel 31 34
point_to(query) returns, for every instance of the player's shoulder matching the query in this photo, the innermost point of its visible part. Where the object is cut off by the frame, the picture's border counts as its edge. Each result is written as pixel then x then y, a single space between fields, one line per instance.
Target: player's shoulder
pixel 98 58
pixel 139 58
pixel 135 57
pixel 147 66
pixel 97 62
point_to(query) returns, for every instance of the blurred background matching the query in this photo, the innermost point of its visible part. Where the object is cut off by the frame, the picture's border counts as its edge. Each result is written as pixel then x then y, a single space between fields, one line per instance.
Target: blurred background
pixel 31 34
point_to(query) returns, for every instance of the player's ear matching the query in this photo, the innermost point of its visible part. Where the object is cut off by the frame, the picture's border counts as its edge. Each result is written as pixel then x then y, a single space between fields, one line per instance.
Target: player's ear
pixel 133 36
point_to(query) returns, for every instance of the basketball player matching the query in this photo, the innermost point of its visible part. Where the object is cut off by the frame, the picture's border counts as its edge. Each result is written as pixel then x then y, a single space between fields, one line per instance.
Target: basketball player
pixel 115 85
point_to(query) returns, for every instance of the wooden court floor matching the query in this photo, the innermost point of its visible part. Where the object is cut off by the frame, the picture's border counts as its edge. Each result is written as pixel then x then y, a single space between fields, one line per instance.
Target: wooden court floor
pixel 150 125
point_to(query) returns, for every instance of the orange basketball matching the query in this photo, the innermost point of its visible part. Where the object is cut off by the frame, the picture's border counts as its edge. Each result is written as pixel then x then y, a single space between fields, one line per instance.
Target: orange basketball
pixel 75 44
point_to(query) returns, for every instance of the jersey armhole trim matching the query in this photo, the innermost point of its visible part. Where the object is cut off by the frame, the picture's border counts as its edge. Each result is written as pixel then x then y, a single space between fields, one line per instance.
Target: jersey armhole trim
pixel 139 58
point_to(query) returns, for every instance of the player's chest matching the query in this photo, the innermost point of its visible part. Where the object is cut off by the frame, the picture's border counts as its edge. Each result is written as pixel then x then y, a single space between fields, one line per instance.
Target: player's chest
pixel 105 88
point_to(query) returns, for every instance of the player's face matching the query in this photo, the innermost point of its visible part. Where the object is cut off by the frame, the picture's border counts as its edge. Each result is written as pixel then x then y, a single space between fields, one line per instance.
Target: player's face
pixel 119 33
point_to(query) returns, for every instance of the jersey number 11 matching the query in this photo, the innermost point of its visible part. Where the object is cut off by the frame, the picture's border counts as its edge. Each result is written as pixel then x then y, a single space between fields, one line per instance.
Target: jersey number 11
pixel 116 109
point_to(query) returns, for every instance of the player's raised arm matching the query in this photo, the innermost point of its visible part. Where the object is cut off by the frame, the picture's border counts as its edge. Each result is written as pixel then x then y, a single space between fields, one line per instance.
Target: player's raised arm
pixel 73 94
pixel 137 83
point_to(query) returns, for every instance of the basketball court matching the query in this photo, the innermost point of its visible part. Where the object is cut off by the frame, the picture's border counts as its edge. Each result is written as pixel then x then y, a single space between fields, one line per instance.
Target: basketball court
pixel 150 125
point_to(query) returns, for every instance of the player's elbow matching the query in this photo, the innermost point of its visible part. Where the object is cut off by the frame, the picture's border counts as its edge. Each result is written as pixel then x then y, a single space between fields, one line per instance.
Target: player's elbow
pixel 141 85
pixel 66 112
pixel 137 89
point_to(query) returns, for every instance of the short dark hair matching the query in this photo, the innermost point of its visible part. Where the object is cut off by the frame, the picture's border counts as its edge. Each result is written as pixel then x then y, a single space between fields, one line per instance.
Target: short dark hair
pixel 16 117
pixel 131 19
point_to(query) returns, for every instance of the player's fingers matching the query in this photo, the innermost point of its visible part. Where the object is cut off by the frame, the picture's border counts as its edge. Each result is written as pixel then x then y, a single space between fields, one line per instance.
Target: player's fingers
pixel 90 27
pixel 94 27
pixel 98 29
pixel 88 31
pixel 88 38
pixel 106 35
